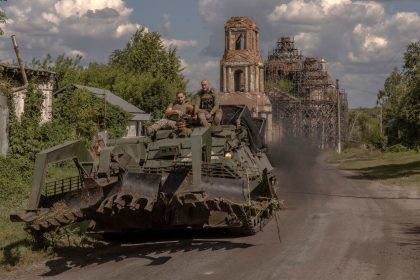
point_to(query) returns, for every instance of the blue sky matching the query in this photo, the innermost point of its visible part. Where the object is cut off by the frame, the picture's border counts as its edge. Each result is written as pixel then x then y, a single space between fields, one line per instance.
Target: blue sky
pixel 362 41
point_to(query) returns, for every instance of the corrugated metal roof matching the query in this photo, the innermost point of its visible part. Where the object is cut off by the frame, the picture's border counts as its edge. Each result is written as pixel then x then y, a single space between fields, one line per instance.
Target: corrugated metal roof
pixel 138 114
pixel 27 68
pixel 112 98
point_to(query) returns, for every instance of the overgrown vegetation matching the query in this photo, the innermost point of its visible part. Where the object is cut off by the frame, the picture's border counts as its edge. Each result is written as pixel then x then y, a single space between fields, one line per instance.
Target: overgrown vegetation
pixel 144 73
pixel 365 129
pixel 285 85
pixel 400 100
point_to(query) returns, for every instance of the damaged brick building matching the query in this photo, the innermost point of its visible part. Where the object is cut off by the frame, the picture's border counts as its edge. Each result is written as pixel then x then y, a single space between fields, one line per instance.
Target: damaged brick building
pixel 242 70
pixel 313 107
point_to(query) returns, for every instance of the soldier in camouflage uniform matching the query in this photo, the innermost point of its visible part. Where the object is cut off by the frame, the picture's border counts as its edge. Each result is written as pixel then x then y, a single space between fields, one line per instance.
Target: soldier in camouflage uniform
pixel 206 105
pixel 179 107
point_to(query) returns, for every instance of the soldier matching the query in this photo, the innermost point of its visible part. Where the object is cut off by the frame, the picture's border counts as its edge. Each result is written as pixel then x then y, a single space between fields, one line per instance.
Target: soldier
pixel 180 107
pixel 206 105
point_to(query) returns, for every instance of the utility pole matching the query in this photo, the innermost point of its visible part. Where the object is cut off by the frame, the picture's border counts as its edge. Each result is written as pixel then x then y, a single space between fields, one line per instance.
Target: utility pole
pixel 381 119
pixel 21 66
pixel 4 122
pixel 338 118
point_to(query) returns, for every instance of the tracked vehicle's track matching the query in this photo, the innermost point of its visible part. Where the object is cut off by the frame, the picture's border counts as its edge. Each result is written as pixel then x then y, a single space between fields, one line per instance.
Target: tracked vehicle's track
pixel 246 219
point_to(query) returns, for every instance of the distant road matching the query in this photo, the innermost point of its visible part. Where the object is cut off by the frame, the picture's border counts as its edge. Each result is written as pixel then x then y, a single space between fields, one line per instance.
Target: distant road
pixel 335 227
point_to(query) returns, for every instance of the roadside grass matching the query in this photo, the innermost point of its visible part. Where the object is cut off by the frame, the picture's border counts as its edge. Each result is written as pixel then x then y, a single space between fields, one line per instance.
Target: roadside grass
pixel 392 168
pixel 17 247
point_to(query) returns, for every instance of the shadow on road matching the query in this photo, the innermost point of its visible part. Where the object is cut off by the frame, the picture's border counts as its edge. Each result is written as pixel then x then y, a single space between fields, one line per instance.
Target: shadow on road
pixel 386 171
pixel 146 246
pixel 411 235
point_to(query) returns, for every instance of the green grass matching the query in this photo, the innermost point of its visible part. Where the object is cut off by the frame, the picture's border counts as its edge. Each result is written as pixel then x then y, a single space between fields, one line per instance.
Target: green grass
pixel 17 247
pixel 395 168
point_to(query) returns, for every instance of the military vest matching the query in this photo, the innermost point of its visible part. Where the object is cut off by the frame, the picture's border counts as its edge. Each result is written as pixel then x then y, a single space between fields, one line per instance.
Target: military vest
pixel 180 107
pixel 207 101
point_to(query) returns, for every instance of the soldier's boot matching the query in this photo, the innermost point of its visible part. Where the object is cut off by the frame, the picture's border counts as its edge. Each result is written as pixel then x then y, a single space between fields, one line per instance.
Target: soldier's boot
pixel 184 132
pixel 150 130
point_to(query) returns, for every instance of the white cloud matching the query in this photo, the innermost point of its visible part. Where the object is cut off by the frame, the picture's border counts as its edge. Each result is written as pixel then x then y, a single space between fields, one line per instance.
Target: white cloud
pixel 75 53
pixel 307 41
pixel 79 8
pixel 297 11
pixel 128 28
pixel 166 24
pixel 374 43
pixel 357 35
pixel 179 44
pixel 50 17
pixel 200 71
pixel 69 26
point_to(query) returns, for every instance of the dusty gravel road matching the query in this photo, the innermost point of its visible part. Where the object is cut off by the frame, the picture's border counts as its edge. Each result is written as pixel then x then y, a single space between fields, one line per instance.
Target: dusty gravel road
pixel 336 226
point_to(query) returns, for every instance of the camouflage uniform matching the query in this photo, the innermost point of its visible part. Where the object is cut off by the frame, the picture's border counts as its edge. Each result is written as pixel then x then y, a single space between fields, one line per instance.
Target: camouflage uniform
pixel 206 106
pixel 167 123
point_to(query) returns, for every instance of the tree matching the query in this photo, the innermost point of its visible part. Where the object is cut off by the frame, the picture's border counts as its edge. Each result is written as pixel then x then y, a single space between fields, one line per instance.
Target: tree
pixel 147 74
pixel 400 99
pixel 85 114
pixel 68 69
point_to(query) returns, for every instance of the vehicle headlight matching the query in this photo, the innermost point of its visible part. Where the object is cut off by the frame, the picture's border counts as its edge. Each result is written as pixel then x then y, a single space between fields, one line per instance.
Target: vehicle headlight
pixel 228 154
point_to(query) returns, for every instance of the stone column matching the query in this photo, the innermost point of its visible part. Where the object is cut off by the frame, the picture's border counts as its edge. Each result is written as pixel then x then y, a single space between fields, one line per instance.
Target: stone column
pixel 222 78
pixel 230 80
pixel 269 128
pixel 257 78
pixel 4 122
pixel 262 79
pixel 252 78
pixel 246 75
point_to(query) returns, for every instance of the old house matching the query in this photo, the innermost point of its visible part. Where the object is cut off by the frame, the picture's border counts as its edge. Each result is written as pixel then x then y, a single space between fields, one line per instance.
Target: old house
pixel 135 126
pixel 43 79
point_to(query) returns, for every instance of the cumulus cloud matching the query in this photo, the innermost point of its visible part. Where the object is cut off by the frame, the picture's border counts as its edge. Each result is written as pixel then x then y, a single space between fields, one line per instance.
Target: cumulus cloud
pixel 179 44
pixel 69 26
pixel 128 28
pixel 200 71
pixel 166 26
pixel 351 35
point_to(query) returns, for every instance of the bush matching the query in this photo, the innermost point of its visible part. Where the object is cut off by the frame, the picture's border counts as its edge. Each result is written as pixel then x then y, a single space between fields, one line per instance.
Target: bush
pixel 397 148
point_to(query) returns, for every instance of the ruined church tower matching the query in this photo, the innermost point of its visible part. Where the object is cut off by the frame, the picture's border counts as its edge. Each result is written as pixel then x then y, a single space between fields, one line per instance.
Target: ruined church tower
pixel 242 70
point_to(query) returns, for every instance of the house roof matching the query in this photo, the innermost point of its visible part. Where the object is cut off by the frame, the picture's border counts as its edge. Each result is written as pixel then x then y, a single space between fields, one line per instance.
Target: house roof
pixel 138 114
pixel 16 69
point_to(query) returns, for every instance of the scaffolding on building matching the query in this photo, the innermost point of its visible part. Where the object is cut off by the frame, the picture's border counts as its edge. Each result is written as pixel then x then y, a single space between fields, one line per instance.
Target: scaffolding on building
pixel 312 108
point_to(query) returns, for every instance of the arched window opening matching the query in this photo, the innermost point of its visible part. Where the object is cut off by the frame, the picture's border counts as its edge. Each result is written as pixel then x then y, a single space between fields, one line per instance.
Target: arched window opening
pixel 239 80
pixel 240 42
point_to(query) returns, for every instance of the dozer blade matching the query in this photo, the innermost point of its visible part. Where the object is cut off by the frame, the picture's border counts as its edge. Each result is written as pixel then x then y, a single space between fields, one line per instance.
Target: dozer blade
pixel 235 190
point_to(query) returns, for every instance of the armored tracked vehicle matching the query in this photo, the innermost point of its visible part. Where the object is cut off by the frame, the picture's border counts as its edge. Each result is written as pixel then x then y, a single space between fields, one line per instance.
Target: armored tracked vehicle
pixel 213 177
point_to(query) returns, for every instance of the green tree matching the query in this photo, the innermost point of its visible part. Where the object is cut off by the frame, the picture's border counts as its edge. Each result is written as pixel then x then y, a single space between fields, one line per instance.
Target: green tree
pixel 67 69
pixel 365 128
pixel 147 74
pixel 285 85
pixel 400 99
pixel 85 114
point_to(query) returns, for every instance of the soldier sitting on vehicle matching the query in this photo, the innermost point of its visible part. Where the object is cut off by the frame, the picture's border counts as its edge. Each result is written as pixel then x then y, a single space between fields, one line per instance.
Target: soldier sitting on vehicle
pixel 174 116
pixel 206 105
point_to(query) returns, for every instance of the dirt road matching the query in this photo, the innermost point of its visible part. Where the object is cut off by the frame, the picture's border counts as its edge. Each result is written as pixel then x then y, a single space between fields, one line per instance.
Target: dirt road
pixel 336 226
